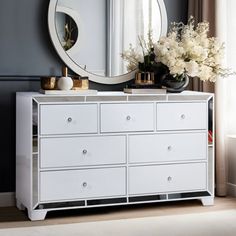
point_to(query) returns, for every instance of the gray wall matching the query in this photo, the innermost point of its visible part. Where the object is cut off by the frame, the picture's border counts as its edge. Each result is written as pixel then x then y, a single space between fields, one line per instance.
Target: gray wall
pixel 26 53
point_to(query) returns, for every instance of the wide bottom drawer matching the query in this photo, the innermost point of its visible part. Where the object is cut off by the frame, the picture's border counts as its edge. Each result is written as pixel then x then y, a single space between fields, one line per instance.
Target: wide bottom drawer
pixel 75 184
pixel 167 178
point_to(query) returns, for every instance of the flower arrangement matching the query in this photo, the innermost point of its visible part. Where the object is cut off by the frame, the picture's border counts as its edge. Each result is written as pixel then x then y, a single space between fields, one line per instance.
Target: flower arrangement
pixel 186 50
pixel 142 57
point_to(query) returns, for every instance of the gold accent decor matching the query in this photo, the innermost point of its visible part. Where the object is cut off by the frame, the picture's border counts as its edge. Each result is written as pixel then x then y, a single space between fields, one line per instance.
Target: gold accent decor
pixel 48 83
pixel 80 83
pixel 144 78
pixel 64 71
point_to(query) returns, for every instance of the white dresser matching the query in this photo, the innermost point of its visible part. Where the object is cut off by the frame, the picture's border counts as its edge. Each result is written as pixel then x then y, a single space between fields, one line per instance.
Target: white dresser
pixel 112 148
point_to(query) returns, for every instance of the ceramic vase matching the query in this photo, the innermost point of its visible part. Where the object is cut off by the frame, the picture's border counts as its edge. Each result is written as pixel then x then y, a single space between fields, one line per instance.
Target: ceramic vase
pixel 65 82
pixel 175 86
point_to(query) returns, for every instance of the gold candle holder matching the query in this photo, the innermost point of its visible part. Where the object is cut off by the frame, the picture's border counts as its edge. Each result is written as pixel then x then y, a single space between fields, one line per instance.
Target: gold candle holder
pixel 144 78
pixel 80 83
pixel 48 83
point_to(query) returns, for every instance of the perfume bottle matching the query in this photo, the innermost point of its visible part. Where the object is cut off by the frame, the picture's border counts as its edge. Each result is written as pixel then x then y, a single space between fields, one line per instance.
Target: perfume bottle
pixel 65 82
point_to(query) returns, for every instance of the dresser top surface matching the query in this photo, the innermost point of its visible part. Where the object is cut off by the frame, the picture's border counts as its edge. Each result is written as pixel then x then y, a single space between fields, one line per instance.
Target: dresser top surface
pixel 116 96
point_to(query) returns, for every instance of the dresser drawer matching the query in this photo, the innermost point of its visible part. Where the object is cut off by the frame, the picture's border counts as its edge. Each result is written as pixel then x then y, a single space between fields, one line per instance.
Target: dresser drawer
pixel 68 119
pixel 181 116
pixel 127 117
pixel 81 151
pixel 167 147
pixel 167 178
pixel 80 184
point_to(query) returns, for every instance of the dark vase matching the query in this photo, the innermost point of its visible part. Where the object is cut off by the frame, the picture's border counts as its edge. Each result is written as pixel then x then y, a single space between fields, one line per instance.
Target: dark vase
pixel 160 70
pixel 174 85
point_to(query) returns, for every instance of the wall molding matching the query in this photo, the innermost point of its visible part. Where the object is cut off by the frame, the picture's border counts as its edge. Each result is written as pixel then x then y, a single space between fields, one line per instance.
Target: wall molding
pixel 19 78
pixel 7 199
pixel 231 190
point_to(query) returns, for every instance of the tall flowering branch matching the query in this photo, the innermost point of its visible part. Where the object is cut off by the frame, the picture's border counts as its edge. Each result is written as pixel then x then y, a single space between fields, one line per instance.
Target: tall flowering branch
pixel 140 57
pixel 133 57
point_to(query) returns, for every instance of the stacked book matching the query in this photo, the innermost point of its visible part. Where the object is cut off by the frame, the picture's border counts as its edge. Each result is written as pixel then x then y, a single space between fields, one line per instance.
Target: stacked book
pixel 145 90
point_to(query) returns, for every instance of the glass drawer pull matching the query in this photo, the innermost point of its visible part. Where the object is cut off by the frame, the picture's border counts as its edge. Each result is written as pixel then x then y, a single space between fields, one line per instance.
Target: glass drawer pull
pixel 169 178
pixel 128 118
pixel 69 119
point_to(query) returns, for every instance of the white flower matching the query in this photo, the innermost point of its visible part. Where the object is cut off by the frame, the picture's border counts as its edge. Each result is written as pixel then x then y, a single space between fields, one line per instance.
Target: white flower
pixel 133 57
pixel 192 68
pixel 206 73
pixel 178 68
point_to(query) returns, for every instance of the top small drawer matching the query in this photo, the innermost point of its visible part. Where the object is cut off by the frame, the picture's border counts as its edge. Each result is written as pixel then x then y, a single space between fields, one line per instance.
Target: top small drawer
pixel 181 116
pixel 68 119
pixel 127 117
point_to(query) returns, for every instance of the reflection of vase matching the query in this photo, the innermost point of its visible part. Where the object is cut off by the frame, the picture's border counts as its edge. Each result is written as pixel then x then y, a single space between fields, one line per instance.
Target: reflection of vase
pixel 173 85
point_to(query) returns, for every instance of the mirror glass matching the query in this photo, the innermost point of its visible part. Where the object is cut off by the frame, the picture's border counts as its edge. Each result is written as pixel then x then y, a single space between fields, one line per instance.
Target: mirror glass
pixel 67 30
pixel 92 34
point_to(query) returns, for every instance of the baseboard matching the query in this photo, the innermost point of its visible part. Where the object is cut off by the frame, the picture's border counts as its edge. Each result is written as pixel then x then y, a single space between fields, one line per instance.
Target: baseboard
pixel 7 199
pixel 231 190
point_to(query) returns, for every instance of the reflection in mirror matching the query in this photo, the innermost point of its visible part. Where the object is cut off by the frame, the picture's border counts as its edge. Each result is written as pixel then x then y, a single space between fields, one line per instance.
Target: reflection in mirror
pixel 67 30
pixel 106 29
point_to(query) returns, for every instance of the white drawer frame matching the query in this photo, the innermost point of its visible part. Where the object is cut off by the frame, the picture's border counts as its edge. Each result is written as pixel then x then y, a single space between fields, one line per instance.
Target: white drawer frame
pixel 28 152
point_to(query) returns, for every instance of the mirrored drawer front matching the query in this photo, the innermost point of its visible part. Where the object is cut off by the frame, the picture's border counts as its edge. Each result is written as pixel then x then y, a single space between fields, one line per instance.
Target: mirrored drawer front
pixel 167 178
pixel 81 184
pixel 181 116
pixel 127 117
pixel 82 151
pixel 68 119
pixel 167 147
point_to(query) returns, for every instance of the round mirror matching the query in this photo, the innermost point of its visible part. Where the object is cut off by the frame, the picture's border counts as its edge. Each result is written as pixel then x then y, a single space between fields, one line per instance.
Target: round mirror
pixel 90 35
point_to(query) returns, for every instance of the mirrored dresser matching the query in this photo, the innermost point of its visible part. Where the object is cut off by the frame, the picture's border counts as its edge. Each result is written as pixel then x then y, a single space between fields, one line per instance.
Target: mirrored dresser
pixel 112 148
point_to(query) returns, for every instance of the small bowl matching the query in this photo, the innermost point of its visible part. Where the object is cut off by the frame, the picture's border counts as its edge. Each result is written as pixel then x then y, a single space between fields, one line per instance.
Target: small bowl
pixel 48 83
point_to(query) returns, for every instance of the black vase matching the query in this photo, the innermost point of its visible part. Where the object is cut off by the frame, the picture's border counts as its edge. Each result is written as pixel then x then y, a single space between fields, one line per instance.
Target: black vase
pixel 173 85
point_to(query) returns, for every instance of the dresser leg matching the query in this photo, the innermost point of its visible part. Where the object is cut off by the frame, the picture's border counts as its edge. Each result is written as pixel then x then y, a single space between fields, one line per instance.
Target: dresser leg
pixel 19 205
pixel 207 201
pixel 37 214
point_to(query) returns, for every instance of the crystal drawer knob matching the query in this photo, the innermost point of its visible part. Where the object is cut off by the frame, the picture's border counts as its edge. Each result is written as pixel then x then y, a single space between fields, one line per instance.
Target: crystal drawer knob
pixel 169 148
pixel 182 116
pixel 69 119
pixel 169 178
pixel 128 118
pixel 85 151
pixel 84 184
